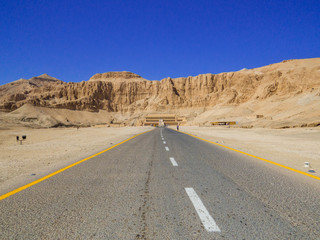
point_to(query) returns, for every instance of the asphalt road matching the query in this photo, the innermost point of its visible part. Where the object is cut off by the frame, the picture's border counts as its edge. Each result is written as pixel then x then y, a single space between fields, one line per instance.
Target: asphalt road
pixel 177 187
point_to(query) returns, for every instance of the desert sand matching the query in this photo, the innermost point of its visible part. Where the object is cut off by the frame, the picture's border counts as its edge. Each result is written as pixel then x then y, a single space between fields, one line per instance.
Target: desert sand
pixel 47 150
pixel 290 147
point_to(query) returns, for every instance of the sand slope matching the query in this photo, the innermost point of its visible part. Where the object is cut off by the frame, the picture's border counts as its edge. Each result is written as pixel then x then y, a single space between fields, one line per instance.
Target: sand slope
pixel 31 116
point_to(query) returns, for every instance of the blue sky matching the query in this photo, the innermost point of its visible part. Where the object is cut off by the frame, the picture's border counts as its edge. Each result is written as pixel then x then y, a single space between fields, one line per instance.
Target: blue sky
pixel 72 40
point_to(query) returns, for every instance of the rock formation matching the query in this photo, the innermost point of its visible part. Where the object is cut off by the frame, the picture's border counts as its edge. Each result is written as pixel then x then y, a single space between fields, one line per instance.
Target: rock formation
pixel 125 92
pixel 116 76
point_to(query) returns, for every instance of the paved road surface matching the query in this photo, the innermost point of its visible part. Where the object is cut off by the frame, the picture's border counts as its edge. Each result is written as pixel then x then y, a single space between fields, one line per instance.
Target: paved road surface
pixel 177 187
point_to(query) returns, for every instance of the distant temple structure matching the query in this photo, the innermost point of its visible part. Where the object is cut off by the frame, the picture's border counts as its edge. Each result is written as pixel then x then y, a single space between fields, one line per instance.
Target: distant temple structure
pixel 224 123
pixel 163 119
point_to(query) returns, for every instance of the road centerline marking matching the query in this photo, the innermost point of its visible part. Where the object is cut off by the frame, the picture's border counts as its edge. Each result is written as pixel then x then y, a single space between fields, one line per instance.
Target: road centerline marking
pixel 167 149
pixel 206 219
pixel 174 163
pixel 164 142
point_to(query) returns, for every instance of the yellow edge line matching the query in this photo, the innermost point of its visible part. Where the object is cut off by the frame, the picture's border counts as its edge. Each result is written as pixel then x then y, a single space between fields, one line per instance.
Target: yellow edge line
pixel 63 169
pixel 248 154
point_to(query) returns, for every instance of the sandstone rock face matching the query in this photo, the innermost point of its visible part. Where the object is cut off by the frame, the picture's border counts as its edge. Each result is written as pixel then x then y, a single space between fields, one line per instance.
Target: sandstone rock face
pixel 109 76
pixel 126 92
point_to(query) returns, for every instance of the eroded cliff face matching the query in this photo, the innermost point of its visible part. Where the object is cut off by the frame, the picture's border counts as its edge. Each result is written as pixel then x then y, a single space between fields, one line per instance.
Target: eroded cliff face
pixel 118 76
pixel 129 92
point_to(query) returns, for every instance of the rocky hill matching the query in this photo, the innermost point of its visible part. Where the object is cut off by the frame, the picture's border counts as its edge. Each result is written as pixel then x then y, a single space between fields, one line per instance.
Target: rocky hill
pixel 289 90
pixel 116 76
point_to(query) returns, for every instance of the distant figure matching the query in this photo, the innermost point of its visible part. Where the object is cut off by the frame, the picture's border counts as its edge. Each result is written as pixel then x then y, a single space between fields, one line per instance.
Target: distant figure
pixel 177 127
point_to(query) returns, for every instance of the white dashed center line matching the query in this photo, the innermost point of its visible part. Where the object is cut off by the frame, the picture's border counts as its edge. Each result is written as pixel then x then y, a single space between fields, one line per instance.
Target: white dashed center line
pixel 164 142
pixel 174 163
pixel 207 221
pixel 167 149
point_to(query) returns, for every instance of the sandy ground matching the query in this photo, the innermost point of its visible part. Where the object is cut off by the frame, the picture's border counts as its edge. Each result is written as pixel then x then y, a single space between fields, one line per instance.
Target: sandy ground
pixel 46 150
pixel 290 147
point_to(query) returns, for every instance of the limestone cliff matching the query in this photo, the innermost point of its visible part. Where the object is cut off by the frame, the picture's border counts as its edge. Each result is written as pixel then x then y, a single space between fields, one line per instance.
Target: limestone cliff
pixel 127 92
pixel 117 76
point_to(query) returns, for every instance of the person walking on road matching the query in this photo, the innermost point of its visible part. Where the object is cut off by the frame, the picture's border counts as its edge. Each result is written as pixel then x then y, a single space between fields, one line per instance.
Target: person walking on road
pixel 177 127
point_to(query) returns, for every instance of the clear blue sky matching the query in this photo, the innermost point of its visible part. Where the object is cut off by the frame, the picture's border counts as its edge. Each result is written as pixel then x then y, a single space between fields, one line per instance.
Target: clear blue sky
pixel 73 39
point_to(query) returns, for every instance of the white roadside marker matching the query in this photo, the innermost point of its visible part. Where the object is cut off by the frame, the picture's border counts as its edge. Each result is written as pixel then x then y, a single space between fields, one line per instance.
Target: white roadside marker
pixel 203 213
pixel 164 142
pixel 167 149
pixel 174 163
